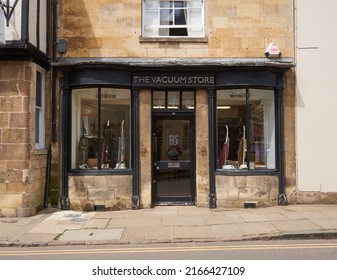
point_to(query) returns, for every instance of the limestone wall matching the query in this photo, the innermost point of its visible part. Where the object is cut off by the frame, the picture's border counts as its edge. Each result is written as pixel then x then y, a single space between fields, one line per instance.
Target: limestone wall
pixel 233 191
pixel 202 149
pixel 113 192
pixel 22 168
pixel 112 28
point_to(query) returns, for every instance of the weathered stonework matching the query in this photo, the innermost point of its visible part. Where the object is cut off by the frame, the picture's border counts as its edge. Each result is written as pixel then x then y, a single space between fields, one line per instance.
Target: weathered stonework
pixel 113 192
pixel 202 149
pixel 233 191
pixel 289 106
pixel 22 168
pixel 233 29
pixel 145 156
pixel 107 29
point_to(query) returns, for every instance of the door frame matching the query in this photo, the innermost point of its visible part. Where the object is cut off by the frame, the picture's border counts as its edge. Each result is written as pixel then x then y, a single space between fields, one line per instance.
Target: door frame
pixel 175 115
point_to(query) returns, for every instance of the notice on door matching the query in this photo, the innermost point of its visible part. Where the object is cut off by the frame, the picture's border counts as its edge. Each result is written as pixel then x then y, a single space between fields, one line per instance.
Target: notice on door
pixel 173 165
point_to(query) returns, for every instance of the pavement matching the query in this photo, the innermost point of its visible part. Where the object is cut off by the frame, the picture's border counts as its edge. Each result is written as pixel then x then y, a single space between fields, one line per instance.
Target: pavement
pixel 164 224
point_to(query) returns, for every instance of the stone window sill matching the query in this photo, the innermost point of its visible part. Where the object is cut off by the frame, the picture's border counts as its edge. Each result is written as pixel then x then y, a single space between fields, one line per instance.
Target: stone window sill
pixel 41 152
pixel 173 39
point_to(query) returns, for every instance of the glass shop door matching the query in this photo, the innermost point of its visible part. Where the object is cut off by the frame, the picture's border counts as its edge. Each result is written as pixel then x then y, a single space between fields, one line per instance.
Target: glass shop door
pixel 173 161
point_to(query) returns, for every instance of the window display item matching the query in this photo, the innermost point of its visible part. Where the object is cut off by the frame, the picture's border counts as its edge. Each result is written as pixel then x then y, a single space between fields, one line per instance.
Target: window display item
pixel 225 150
pixel 242 150
pixel 121 150
pixel 83 148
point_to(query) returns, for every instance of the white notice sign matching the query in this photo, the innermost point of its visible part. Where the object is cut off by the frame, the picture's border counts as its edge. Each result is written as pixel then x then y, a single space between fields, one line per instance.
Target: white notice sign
pixel 2 27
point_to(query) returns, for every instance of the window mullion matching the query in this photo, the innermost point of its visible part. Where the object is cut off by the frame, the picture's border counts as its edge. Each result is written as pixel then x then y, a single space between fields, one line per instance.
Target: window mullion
pixel 99 158
pixel 248 128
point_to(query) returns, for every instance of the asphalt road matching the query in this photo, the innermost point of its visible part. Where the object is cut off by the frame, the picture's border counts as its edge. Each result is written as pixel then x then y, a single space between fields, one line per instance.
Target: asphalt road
pixel 259 250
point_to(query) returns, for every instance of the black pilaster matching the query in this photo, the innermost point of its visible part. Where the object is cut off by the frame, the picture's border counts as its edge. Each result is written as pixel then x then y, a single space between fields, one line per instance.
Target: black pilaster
pixel 212 145
pixel 135 200
pixel 65 203
pixel 282 199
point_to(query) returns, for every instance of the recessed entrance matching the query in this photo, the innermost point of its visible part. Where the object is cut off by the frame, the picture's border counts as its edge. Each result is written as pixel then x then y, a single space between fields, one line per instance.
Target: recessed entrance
pixel 173 147
pixel 173 160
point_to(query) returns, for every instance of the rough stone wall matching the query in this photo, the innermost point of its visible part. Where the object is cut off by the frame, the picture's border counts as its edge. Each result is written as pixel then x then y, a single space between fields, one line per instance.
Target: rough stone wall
pixel 202 149
pixel 233 191
pixel 22 169
pixel 289 106
pixel 113 192
pixel 145 148
pixel 112 28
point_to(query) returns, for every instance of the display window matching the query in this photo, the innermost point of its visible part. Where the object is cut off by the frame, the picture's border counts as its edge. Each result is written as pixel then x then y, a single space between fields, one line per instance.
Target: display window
pixel 246 129
pixel 100 128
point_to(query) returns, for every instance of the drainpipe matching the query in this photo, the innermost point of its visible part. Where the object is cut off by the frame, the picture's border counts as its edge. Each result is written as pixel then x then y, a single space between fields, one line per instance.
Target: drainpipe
pixel 135 200
pixel 211 154
pixel 282 199
pixel 53 97
pixel 54 134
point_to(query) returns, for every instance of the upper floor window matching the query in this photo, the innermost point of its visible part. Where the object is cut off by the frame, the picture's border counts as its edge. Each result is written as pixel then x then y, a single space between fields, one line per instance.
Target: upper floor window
pixel 173 18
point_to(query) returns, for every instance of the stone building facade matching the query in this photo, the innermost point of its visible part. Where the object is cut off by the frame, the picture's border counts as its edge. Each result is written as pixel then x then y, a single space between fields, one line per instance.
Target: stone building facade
pixel 166 71
pixel 146 103
pixel 24 107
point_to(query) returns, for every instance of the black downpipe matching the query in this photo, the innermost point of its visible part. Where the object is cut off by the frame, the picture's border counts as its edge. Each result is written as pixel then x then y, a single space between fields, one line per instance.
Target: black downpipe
pixel 212 144
pixel 135 204
pixel 53 97
pixel 65 203
pixel 282 199
pixel 47 184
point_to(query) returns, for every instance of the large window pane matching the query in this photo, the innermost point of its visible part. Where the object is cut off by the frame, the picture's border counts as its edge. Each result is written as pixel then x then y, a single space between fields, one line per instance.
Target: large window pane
pixel 232 143
pixel 246 129
pixel 100 128
pixel 262 134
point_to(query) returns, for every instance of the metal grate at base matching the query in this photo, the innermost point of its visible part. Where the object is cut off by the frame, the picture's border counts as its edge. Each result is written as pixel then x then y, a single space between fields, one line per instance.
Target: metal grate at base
pixel 99 208
pixel 250 204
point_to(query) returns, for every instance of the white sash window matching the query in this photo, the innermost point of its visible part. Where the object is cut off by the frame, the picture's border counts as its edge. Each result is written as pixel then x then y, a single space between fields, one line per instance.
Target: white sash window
pixel 173 18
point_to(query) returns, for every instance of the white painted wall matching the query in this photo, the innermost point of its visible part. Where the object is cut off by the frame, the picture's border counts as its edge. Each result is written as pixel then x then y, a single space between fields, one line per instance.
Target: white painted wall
pixel 43 26
pixel 32 21
pixel 13 31
pixel 316 96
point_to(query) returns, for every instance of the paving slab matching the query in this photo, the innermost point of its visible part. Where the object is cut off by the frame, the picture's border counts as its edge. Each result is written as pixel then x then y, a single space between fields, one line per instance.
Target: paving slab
pixel 194 212
pixel 96 223
pixel 297 225
pixel 118 214
pixel 91 234
pixel 54 226
pixel 159 233
pixel 134 234
pixel 183 221
pixel 161 213
pixel 219 220
pixel 256 228
pixel 37 237
pixel 230 231
pixel 330 213
pixel 192 232
pixel 326 223
pixel 133 222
